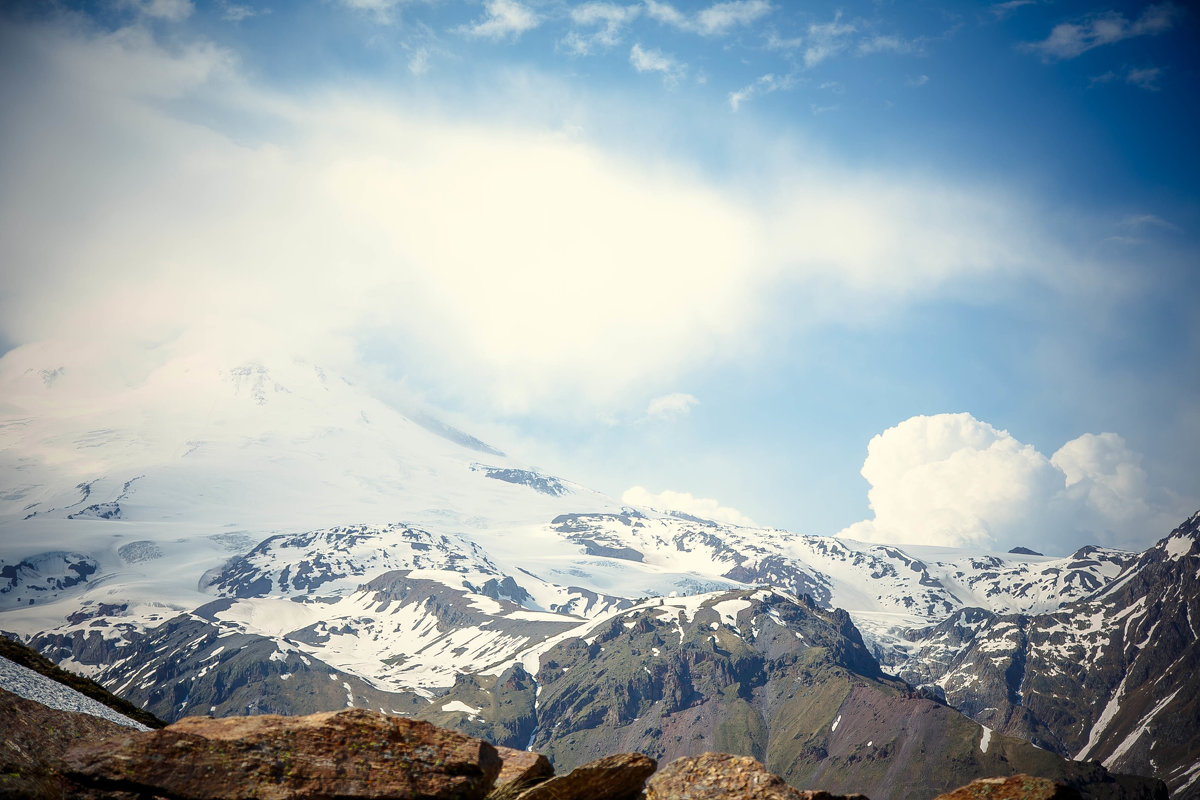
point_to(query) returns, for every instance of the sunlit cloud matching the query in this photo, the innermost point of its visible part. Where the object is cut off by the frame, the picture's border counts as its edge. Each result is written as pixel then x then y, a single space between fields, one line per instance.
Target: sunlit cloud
pixel 540 270
pixel 504 19
pixel 598 26
pixel 667 406
pixel 716 20
pixel 703 507
pixel 952 480
pixel 650 60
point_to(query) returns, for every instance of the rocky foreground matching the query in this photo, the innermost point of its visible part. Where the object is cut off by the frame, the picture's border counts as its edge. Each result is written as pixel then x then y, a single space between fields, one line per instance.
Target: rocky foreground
pixel 344 755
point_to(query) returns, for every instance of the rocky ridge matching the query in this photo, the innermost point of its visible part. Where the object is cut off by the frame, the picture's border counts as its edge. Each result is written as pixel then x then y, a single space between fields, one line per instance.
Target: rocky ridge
pixel 349 754
pixel 1110 677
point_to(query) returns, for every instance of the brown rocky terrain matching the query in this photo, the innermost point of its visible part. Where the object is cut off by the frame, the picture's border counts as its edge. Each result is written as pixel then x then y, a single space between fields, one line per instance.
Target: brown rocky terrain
pixel 353 754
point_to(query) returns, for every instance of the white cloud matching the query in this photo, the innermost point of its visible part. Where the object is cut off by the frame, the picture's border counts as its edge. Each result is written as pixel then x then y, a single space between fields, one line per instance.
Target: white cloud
pixel 1141 221
pixel 887 44
pixel 504 18
pixel 1003 10
pixel 827 39
pixel 676 404
pixel 702 507
pixel 232 12
pixel 716 20
pixel 721 17
pixel 381 9
pixel 1146 78
pixel 538 270
pixel 418 62
pixel 644 60
pixel 918 81
pixel 764 84
pixel 169 10
pixel 603 24
pixel 824 40
pixel 1073 39
pixel 952 480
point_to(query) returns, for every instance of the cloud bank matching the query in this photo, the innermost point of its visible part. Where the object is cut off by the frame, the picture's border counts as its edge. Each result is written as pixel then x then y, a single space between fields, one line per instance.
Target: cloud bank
pixel 951 480
pixel 702 507
pixel 527 268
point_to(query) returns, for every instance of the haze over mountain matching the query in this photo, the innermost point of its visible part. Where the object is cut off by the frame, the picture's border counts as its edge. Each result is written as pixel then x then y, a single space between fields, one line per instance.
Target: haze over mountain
pixel 294 298
pixel 281 541
pixel 707 251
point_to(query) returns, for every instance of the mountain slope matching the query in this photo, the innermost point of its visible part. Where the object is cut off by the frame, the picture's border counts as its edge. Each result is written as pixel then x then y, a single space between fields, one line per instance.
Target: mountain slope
pixel 763 674
pixel 255 536
pixel 1111 677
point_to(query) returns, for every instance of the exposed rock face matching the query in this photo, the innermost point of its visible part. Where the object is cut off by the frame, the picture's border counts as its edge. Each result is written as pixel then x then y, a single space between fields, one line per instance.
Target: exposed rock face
pixel 758 674
pixel 720 776
pixel 615 777
pixel 344 754
pixel 35 739
pixel 1014 787
pixel 193 664
pixel 1110 677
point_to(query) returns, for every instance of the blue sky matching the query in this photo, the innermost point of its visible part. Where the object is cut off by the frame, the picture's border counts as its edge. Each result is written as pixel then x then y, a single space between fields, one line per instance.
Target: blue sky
pixel 694 248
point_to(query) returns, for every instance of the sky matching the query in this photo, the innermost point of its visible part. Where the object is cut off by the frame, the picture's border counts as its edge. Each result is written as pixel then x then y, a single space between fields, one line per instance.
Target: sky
pixel 905 272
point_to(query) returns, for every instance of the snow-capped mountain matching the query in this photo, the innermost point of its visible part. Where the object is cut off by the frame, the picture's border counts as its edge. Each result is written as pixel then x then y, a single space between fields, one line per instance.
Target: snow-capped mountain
pixel 270 537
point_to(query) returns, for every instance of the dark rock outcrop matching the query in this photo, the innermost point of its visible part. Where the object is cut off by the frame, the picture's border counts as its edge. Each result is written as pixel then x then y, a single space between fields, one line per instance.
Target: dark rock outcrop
pixel 615 777
pixel 344 754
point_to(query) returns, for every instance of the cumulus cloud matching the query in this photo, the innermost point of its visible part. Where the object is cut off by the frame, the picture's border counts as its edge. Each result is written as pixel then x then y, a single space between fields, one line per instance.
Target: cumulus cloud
pixel 953 480
pixel 152 189
pixel 716 20
pixel 1073 39
pixel 644 60
pixel 702 507
pixel 676 404
pixel 504 18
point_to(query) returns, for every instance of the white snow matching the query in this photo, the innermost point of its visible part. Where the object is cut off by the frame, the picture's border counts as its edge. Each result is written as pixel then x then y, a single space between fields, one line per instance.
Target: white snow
pixel 729 609
pixel 458 705
pixel 32 685
pixel 835 723
pixel 985 740
pixel 1178 546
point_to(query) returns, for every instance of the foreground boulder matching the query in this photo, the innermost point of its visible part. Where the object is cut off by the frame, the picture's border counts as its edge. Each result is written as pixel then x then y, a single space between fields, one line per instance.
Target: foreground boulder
pixel 343 754
pixel 616 777
pixel 1012 787
pixel 522 768
pixel 720 776
pixel 35 739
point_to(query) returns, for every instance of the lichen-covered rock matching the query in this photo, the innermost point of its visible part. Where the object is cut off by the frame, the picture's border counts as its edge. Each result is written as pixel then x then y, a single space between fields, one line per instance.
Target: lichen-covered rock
pixel 1012 787
pixel 522 767
pixel 34 741
pixel 616 777
pixel 343 754
pixel 720 776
